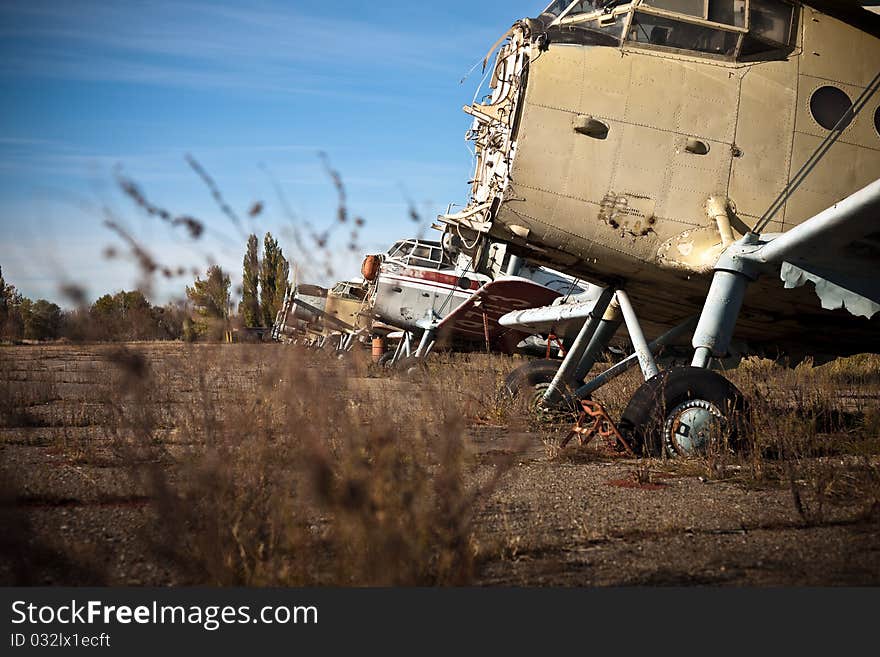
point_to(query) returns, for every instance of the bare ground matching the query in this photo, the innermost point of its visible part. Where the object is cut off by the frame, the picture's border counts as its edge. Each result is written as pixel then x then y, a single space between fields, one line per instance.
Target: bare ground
pixel 74 514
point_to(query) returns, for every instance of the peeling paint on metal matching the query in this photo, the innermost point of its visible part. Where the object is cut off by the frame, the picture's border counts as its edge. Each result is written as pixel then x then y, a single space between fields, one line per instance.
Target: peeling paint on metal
pixel 832 296
pixel 633 215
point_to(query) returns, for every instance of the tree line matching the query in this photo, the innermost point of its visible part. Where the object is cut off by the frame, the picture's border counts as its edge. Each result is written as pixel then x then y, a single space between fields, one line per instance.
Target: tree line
pixel 128 315
pixel 125 315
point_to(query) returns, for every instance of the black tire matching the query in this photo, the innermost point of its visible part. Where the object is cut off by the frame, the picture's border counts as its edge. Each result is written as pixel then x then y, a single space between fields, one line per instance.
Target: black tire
pixel 532 379
pixel 411 366
pixel 645 422
pixel 384 358
pixel 529 375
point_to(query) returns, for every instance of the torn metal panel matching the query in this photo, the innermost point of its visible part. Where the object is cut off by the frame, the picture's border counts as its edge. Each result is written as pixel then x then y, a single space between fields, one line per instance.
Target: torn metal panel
pixel 832 296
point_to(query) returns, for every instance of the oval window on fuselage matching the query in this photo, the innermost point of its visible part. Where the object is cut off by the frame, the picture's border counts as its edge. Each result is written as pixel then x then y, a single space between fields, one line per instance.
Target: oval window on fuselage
pixel 829 105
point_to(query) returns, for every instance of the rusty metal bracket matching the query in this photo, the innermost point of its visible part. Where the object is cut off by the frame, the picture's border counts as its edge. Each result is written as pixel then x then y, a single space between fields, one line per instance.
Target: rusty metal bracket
pixel 594 421
pixel 553 339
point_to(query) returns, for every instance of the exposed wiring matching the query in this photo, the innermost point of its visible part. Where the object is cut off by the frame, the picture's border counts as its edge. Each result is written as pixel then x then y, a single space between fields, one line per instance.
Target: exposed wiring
pixel 574 283
pixel 467 246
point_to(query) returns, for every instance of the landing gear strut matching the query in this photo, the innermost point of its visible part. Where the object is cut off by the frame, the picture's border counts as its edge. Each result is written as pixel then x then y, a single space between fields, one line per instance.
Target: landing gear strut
pixel 676 412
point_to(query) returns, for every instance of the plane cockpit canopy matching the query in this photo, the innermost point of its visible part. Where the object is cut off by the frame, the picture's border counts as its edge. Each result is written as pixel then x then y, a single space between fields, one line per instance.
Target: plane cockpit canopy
pixel 349 290
pixel 420 253
pixel 745 30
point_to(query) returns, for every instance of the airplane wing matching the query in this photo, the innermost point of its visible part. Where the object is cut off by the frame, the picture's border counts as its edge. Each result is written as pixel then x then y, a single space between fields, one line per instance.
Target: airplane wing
pixel 477 318
pixel 338 323
pixel 383 329
pixel 838 250
pixel 558 318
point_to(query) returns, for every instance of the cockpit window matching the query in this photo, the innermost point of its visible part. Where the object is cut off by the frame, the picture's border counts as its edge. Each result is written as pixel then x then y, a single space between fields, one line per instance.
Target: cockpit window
pixel 726 12
pixel 694 8
pixel 668 33
pixel 771 21
pixel 566 9
pixel 420 253
pixel 395 248
pixel 345 290
pixel 585 7
pixel 716 27
pixel 555 8
pixel 594 24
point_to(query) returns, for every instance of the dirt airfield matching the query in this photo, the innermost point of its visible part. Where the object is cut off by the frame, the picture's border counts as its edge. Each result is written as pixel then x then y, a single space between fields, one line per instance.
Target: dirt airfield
pixel 172 464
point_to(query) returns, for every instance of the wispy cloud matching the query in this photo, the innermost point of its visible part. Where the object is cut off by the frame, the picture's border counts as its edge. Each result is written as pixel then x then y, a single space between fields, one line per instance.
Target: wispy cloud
pixel 93 84
pixel 266 47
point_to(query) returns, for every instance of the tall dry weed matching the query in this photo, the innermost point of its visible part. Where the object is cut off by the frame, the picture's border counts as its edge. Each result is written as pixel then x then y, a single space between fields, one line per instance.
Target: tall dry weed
pixel 307 474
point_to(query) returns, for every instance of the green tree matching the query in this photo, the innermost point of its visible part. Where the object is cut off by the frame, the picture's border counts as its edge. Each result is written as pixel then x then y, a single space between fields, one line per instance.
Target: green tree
pixel 282 274
pixel 272 287
pixel 188 332
pixel 6 294
pixel 42 319
pixel 11 320
pixel 77 325
pixel 250 300
pixel 210 297
pixel 169 320
pixel 123 316
pixel 106 318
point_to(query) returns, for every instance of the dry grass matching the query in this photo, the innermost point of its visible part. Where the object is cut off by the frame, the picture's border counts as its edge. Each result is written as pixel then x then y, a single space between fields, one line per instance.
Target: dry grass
pixel 310 473
pixel 272 465
pixel 813 429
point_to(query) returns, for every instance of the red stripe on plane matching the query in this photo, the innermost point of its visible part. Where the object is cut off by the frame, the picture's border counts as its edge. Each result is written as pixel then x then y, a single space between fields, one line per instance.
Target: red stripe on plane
pixel 438 277
pixel 409 281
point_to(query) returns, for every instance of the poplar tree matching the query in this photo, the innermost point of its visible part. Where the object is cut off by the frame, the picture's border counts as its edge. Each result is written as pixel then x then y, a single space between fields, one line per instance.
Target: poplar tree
pixel 250 300
pixel 282 274
pixel 273 279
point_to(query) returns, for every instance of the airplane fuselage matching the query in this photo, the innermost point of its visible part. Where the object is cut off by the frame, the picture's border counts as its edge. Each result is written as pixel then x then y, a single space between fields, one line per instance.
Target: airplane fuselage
pixel 413 297
pixel 609 153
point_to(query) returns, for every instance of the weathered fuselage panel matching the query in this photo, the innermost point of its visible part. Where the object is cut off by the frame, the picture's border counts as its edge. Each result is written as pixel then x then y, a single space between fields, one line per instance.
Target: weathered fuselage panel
pixel 601 160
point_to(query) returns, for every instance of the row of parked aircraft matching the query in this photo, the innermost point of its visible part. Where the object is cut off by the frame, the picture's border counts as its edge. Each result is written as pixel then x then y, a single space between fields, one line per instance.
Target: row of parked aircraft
pixel 703 172
pixel 421 293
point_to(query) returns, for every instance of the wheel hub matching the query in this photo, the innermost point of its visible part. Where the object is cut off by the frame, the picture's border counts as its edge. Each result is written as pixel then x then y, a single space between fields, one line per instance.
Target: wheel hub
pixel 561 409
pixel 692 426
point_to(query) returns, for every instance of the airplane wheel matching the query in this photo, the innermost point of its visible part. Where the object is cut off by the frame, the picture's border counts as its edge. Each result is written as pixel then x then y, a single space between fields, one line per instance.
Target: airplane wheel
pixel 385 359
pixel 684 411
pixel 532 380
pixel 411 366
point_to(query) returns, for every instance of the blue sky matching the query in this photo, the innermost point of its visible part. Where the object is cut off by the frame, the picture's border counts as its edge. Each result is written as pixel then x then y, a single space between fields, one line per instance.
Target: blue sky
pixel 96 89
